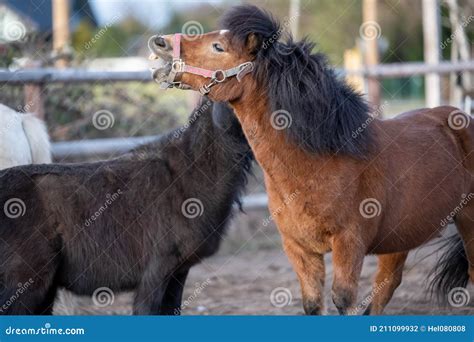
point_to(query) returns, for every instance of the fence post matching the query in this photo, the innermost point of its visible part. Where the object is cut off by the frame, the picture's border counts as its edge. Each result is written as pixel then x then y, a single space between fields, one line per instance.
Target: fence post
pixel 34 102
pixel 61 31
pixel 353 62
pixel 294 17
pixel 431 51
pixel 372 52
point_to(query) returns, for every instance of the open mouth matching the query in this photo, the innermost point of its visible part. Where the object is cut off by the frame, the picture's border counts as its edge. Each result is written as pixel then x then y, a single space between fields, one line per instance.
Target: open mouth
pixel 160 65
pixel 160 70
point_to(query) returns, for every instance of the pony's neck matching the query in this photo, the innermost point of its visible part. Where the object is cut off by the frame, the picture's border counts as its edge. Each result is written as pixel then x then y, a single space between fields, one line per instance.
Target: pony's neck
pixel 222 154
pixel 270 146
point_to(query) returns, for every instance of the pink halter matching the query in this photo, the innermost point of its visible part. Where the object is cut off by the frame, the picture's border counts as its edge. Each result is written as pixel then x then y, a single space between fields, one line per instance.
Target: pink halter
pixel 216 76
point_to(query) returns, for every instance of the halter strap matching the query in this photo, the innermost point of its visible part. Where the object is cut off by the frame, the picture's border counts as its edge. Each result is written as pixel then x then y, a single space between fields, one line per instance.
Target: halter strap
pixel 177 46
pixel 216 76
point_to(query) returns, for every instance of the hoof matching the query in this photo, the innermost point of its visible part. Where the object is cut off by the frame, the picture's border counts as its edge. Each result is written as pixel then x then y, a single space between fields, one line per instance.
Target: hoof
pixel 342 300
pixel 312 308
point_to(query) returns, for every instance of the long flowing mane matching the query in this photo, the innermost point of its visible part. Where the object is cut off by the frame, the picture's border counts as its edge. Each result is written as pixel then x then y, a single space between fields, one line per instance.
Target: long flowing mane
pixel 325 111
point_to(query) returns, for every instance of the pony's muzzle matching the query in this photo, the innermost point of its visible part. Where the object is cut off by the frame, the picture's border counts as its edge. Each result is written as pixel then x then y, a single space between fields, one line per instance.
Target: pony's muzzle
pixel 160 42
pixel 160 47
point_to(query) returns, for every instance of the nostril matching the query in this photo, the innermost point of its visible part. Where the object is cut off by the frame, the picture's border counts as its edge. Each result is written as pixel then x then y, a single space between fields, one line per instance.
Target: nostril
pixel 160 42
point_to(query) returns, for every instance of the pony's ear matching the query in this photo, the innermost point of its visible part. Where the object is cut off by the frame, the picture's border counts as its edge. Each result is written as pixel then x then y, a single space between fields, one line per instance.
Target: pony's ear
pixel 253 43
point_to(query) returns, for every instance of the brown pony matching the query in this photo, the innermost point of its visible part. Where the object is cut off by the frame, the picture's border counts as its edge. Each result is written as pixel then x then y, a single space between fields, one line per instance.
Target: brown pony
pixel 338 178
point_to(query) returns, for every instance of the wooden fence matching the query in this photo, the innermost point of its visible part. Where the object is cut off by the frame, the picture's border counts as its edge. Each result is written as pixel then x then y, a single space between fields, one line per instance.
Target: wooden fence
pixel 101 147
pixel 51 75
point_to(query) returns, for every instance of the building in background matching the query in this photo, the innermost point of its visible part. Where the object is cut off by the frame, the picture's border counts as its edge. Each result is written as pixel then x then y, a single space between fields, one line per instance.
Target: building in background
pixel 39 14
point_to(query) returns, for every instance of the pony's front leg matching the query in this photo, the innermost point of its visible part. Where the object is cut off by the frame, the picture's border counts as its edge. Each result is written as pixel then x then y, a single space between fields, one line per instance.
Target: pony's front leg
pixel 348 253
pixel 311 273
pixel 150 292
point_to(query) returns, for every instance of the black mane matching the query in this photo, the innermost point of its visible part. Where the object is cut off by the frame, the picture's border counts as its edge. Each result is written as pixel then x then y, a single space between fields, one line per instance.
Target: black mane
pixel 326 113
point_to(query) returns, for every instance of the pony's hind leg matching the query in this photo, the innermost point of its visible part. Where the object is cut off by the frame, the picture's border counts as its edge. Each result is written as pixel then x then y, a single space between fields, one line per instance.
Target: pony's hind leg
pixel 388 278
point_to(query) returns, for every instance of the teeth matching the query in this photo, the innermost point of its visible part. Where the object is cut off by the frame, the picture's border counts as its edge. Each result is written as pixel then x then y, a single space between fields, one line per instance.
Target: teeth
pixel 161 72
pixel 152 57
pixel 159 67
pixel 156 62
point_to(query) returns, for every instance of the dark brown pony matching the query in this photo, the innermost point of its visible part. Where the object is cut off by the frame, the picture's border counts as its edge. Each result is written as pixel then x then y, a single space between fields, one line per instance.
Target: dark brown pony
pixel 137 223
pixel 363 185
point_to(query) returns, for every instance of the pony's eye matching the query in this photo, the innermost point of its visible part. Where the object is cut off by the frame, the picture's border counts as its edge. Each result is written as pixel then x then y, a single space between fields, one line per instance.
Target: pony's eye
pixel 217 47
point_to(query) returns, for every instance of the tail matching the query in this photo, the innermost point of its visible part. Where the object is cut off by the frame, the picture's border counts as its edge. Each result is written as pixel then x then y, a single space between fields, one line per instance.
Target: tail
pixel 451 270
pixel 38 138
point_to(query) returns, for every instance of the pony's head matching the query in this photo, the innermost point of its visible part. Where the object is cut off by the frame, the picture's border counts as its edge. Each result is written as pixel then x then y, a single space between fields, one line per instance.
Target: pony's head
pixel 220 60
pixel 249 54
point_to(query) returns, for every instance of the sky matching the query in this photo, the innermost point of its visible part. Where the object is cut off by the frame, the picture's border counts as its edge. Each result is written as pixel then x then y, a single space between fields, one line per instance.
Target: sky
pixel 154 13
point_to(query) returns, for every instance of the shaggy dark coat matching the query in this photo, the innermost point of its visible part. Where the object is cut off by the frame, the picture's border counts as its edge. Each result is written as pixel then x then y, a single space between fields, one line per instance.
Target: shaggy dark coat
pixel 138 222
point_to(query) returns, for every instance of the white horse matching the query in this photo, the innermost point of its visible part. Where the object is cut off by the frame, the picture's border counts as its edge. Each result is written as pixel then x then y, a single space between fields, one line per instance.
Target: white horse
pixel 23 139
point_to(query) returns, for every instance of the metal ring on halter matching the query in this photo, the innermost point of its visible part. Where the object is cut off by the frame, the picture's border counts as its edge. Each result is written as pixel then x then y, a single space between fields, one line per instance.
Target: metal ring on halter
pixel 215 76
pixel 178 65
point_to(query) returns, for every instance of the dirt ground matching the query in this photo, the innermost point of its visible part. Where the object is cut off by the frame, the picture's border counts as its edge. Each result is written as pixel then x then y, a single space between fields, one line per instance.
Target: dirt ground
pixel 251 265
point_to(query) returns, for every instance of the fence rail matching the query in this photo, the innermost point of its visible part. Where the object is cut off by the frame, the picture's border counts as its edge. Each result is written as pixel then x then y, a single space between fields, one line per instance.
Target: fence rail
pixel 116 146
pixel 51 75
pixel 97 147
